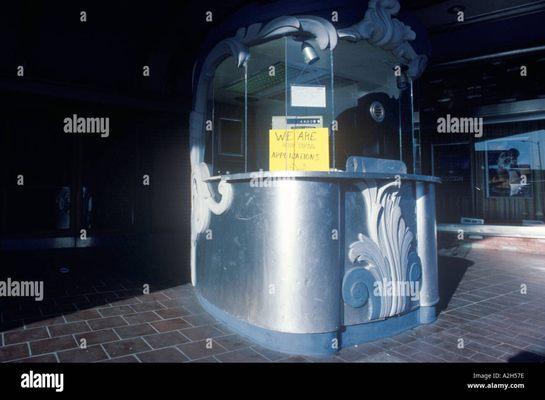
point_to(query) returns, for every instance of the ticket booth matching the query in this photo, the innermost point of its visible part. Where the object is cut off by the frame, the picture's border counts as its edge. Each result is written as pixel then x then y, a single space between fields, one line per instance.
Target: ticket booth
pixel 309 230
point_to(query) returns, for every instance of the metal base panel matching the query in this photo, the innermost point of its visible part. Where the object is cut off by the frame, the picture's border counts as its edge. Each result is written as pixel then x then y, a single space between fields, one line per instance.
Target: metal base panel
pixel 291 343
pixel 319 344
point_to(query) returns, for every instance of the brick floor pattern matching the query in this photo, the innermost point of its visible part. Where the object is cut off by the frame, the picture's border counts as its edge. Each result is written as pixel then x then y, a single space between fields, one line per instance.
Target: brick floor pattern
pixel 495 313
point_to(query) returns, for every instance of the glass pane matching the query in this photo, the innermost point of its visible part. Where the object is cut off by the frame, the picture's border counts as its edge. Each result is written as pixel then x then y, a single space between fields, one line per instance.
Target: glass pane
pixel 511 164
pixel 42 155
pixel 37 209
pixel 406 127
pixel 266 98
pixel 229 103
pixel 452 163
pixel 310 106
pixel 107 198
pixel 367 103
pixel 511 176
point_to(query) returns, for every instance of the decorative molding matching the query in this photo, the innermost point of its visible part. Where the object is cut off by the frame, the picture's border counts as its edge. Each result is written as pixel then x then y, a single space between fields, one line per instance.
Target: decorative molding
pixel 386 251
pixel 381 30
pixel 358 291
pixel 320 29
pixel 378 27
pixel 203 201
pixel 203 204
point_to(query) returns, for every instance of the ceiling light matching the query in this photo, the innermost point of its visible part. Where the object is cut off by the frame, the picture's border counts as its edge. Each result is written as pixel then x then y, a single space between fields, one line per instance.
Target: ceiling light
pixel 309 53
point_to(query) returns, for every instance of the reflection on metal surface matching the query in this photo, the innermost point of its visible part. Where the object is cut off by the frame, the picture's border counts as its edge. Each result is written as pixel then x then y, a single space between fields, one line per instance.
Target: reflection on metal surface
pixel 276 258
pixel 386 250
pixel 272 261
pixel 427 243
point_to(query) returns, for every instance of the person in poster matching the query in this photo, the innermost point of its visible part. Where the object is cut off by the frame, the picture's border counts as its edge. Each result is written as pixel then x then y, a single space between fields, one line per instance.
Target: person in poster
pixel 506 177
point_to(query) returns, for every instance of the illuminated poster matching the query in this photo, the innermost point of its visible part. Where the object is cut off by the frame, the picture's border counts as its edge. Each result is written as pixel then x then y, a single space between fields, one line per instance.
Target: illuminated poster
pixel 509 169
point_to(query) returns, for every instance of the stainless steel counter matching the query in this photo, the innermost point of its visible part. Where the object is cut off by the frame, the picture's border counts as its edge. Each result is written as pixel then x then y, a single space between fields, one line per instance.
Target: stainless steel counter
pixel 342 175
pixel 286 255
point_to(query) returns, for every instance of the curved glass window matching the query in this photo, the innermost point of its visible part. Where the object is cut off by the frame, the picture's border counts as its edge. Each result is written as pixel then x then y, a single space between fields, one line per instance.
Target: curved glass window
pixel 226 135
pixel 266 97
pixel 290 105
pixel 372 104
pixel 294 106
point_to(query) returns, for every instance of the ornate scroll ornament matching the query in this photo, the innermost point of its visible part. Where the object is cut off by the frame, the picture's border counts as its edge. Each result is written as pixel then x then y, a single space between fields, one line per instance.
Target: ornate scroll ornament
pixel 203 201
pixel 386 253
pixel 321 30
pixel 381 30
pixel 203 204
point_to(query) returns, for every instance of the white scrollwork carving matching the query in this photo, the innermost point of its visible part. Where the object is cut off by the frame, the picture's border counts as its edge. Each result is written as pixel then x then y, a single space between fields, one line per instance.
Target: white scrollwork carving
pixel 386 250
pixel 381 30
pixel 201 173
pixel 202 204
pixel 322 30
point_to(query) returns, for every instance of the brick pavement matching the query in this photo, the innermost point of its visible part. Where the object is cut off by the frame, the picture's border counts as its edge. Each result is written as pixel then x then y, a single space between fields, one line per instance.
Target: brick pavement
pixel 485 318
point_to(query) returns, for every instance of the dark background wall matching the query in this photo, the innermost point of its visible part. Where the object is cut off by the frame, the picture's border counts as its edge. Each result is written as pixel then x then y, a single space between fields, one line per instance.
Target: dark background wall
pixel 510 104
pixel 146 226
pixel 94 69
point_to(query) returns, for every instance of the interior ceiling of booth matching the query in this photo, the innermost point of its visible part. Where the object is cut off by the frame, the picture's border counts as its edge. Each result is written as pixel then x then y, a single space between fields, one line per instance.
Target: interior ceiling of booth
pixel 358 64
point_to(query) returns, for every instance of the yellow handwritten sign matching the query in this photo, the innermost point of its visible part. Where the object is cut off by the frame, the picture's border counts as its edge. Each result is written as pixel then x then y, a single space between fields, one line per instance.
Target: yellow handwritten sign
pixel 302 149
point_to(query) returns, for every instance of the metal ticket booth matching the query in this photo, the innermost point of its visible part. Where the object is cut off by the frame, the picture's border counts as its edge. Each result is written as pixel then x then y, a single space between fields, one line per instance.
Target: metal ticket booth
pixel 310 229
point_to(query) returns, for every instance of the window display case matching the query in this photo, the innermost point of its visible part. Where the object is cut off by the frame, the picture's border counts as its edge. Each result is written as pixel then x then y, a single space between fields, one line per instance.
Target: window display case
pixel 309 231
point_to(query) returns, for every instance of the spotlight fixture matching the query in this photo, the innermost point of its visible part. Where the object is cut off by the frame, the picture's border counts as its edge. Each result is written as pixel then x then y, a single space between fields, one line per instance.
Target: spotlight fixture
pixel 309 54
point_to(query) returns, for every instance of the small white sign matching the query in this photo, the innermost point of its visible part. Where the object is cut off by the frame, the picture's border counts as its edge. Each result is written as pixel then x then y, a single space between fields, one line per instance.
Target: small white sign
pixel 308 96
pixel 471 221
